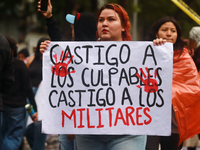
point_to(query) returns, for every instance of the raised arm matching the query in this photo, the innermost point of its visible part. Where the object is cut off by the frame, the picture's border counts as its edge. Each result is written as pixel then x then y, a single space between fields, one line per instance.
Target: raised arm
pixel 52 27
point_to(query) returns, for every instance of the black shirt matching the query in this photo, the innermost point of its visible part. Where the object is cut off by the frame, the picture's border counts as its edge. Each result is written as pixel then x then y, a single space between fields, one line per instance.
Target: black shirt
pixel 21 89
pixel 6 67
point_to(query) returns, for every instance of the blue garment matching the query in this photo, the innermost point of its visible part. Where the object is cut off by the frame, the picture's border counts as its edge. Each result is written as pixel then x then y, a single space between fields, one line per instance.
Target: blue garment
pixel 34 90
pixel 39 137
pixel 13 127
pixel 1 123
pixel 34 136
pixel 1 119
pixel 111 142
pixel 67 144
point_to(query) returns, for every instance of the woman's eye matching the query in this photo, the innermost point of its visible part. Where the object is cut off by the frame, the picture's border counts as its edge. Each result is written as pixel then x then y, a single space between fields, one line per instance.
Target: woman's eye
pixel 100 20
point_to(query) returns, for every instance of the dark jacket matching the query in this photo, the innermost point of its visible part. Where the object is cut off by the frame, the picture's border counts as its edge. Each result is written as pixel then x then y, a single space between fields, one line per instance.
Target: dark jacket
pixel 53 29
pixel 6 67
pixel 21 89
pixel 84 28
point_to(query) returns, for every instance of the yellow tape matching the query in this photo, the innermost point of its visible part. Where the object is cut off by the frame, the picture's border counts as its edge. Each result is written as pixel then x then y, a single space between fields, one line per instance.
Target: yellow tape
pixel 184 7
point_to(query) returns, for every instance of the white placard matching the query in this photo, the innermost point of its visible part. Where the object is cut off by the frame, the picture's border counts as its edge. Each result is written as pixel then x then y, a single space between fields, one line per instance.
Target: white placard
pixel 107 88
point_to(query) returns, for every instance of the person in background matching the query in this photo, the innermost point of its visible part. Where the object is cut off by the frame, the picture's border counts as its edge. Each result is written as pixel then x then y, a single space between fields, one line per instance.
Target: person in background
pixel 6 75
pixel 185 87
pixel 35 137
pixel 23 55
pixel 193 142
pixel 196 58
pixel 193 45
pixel 83 25
pixel 14 101
pixel 194 39
pixel 34 65
pixel 83 29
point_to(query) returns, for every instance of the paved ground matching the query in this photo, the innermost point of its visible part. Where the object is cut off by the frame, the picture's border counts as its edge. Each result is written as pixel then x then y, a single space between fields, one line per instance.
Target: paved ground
pixel 52 143
pixel 184 148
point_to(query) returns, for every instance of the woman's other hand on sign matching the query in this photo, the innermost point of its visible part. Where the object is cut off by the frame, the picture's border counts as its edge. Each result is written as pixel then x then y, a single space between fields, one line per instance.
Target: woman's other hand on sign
pixel 35 116
pixel 44 45
pixel 159 41
pixel 48 13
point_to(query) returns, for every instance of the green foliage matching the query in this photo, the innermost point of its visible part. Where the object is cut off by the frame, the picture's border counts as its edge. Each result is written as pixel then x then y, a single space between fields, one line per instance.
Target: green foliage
pixel 154 9
pixel 9 8
pixel 148 12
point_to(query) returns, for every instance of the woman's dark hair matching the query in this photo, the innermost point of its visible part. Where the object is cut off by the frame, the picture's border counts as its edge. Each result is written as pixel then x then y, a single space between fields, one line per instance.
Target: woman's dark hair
pixel 24 51
pixel 13 44
pixel 38 55
pixel 85 27
pixel 179 44
pixel 196 58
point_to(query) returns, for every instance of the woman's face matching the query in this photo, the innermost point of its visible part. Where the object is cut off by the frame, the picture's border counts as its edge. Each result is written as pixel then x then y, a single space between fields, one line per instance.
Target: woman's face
pixel 168 32
pixel 109 26
pixel 21 56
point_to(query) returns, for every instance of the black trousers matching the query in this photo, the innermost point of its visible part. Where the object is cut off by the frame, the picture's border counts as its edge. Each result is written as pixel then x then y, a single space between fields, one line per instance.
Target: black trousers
pixel 166 142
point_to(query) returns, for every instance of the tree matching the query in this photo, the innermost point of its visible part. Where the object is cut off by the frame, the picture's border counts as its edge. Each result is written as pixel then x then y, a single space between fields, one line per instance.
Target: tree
pixel 21 16
pixel 153 10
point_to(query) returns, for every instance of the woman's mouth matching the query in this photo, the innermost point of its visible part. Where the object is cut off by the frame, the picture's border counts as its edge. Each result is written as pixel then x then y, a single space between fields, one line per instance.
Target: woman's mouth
pixel 169 40
pixel 104 30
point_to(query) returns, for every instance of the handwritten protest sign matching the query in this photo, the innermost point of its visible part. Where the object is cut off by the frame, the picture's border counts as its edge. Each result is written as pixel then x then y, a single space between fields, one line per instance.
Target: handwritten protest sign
pixel 107 88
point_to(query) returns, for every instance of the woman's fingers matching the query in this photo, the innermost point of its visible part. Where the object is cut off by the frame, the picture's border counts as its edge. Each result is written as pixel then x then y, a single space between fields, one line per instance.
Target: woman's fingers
pixel 159 41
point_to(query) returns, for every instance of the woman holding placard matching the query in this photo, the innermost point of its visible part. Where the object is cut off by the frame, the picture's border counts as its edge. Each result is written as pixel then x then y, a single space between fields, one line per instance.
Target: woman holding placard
pixel 185 88
pixel 113 25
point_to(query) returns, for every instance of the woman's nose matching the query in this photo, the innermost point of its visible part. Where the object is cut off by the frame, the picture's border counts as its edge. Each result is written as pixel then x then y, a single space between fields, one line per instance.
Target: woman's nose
pixel 169 32
pixel 104 23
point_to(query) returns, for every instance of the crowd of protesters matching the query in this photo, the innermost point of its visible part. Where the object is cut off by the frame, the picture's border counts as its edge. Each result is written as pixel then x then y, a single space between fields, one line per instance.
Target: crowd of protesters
pixel 21 76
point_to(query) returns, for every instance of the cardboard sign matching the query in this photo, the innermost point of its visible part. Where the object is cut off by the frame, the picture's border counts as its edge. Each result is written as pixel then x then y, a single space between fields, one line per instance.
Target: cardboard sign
pixel 184 7
pixel 107 88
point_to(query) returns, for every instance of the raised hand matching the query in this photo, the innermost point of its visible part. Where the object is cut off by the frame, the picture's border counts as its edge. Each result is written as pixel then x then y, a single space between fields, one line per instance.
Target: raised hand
pixel 48 13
